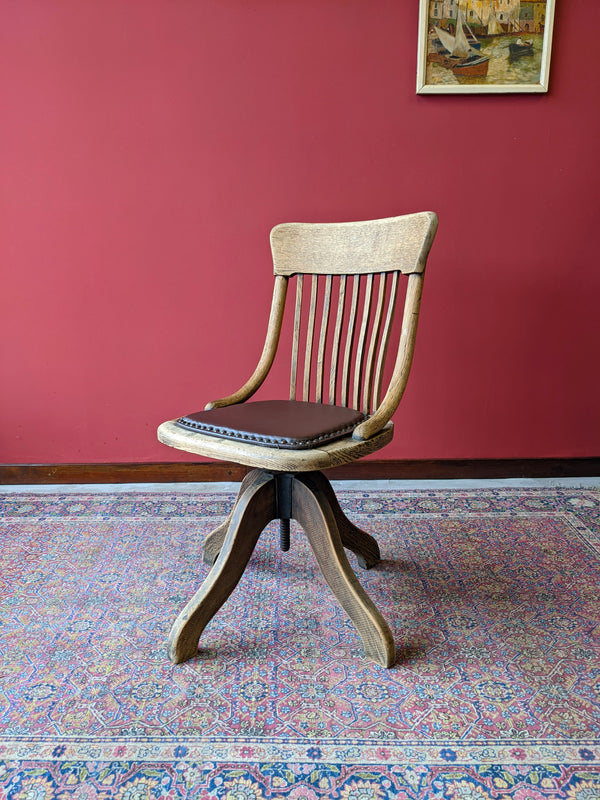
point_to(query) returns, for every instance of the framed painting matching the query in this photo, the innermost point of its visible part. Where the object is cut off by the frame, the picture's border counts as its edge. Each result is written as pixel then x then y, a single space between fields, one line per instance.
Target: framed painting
pixel 475 46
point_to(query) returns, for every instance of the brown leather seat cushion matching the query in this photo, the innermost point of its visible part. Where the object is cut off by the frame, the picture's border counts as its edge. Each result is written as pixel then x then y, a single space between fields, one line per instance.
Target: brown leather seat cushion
pixel 289 424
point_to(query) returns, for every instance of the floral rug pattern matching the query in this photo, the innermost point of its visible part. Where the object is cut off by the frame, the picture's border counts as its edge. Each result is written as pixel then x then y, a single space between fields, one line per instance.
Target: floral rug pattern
pixel 492 596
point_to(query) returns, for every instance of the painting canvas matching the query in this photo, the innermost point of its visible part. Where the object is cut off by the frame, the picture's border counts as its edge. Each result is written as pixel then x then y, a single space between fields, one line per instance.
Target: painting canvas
pixel 468 46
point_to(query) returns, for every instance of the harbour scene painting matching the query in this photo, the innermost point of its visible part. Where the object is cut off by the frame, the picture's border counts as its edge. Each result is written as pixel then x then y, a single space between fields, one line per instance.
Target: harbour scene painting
pixel 469 46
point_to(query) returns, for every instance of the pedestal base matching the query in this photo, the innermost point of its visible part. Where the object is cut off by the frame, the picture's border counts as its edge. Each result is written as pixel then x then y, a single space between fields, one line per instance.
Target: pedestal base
pixel 308 498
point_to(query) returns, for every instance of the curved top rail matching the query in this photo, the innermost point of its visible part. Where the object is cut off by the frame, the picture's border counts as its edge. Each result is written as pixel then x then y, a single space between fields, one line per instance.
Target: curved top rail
pixel 336 248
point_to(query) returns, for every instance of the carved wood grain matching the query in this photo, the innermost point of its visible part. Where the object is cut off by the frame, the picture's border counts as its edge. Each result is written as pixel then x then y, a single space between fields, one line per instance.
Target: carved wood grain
pixel 253 511
pixel 296 337
pixel 385 337
pixel 313 511
pixel 350 341
pixel 359 364
pixel 323 332
pixel 310 335
pixel 362 544
pixel 381 245
pixel 327 456
pixel 337 340
pixel 213 542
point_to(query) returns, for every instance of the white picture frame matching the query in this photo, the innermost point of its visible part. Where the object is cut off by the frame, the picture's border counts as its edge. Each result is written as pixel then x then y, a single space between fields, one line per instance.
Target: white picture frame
pixel 489 46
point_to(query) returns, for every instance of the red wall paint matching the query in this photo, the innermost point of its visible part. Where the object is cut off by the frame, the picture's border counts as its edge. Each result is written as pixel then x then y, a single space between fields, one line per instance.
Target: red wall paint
pixel 147 148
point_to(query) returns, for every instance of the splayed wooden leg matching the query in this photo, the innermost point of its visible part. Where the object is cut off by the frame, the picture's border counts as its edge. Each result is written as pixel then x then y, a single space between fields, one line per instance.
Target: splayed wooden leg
pixel 362 544
pixel 253 511
pixel 313 510
pixel 213 542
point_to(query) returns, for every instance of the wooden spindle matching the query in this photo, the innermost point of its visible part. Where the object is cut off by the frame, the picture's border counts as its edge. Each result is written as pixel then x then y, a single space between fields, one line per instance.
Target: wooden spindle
pixel 362 336
pixel 323 339
pixel 345 395
pixel 337 339
pixel 296 339
pixel 375 333
pixel 385 338
pixel 310 333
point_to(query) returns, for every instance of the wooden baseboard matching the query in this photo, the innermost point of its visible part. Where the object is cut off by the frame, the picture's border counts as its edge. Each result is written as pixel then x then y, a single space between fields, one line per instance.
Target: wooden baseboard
pixel 175 472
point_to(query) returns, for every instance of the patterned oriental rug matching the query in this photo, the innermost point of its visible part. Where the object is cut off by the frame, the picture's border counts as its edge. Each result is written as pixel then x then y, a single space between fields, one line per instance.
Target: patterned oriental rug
pixel 492 596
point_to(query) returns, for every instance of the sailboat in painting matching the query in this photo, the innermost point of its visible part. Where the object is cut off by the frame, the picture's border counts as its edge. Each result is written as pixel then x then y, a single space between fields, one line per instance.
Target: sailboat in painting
pixel 455 52
pixel 494 28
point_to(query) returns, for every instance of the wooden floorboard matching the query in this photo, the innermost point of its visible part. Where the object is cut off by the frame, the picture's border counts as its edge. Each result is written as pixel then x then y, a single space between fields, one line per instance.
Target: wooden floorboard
pixel 369 469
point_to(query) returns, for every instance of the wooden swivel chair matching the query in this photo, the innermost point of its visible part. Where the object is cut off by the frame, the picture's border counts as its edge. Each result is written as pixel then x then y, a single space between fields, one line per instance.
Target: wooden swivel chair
pixel 355 271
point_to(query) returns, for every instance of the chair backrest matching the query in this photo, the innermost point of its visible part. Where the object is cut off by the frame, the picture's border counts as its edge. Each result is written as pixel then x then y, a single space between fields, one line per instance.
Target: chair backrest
pixel 396 244
pixel 347 286
pixel 354 270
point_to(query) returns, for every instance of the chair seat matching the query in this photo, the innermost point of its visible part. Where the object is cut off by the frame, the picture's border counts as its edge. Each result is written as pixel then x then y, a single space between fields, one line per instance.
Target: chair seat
pixel 240 434
pixel 288 424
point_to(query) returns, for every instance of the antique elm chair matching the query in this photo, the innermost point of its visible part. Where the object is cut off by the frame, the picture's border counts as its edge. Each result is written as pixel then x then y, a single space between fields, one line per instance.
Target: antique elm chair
pixel 335 414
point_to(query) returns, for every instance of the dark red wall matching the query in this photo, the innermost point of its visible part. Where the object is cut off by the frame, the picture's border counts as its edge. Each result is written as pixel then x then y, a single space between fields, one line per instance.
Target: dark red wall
pixel 148 146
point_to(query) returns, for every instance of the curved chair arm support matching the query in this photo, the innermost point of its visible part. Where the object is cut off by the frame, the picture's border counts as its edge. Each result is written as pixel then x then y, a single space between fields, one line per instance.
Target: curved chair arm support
pixel 406 347
pixel 268 353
